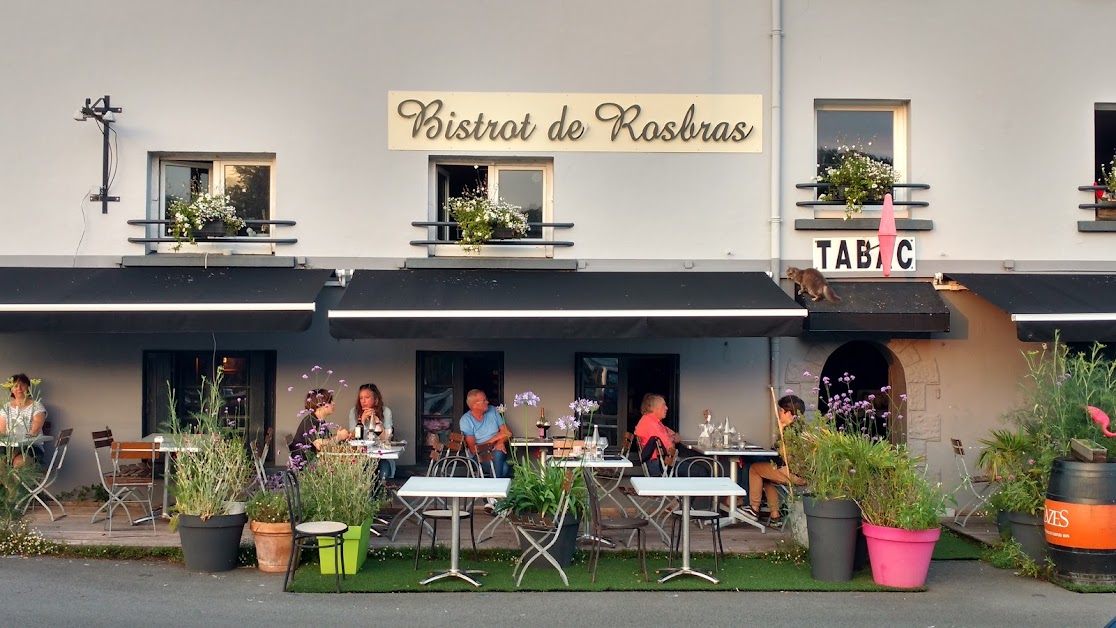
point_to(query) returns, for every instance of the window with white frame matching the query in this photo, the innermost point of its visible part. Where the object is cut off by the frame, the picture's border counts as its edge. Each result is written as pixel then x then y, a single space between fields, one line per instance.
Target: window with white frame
pixel 526 184
pixel 875 128
pixel 249 180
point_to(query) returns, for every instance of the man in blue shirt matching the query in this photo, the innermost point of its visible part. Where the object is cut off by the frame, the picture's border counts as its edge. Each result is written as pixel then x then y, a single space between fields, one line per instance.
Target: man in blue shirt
pixel 483 424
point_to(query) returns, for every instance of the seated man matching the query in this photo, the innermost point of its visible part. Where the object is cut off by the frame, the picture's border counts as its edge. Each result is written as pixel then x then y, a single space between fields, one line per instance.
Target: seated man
pixel 650 425
pixel 763 476
pixel 483 424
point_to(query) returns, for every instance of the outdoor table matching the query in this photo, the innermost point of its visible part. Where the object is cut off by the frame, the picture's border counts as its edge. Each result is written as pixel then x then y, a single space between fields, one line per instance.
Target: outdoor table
pixel 25 441
pixel 732 454
pixel 686 488
pixel 541 445
pixel 168 444
pixel 376 449
pixel 616 462
pixel 455 489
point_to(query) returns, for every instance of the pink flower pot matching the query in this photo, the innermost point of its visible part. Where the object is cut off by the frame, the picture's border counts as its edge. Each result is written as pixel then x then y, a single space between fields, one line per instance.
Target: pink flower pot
pixel 900 558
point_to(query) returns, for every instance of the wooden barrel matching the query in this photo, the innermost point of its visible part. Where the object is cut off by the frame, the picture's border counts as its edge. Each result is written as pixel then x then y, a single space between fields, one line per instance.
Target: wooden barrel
pixel 1080 522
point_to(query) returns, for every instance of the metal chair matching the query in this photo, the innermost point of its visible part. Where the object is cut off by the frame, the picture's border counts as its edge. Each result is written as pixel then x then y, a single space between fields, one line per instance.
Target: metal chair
pixel 609 480
pixel 411 509
pixel 61 445
pixel 488 464
pixel 564 447
pixel 541 535
pixel 437 509
pixel 133 484
pixel 698 466
pixel 980 486
pixel 259 457
pixel 307 533
pixel 456 444
pixel 601 525
pixel 654 509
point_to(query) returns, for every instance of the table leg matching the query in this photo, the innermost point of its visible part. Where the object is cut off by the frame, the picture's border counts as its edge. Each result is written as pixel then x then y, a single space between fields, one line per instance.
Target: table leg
pixel 163 507
pixel 686 570
pixel 455 551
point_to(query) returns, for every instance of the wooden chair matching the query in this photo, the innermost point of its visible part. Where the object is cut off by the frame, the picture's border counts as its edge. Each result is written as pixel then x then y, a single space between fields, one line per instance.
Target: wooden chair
pixel 487 461
pixel 307 533
pixel 611 479
pixel 564 447
pixel 601 525
pixel 129 486
pixel 61 446
pixel 456 444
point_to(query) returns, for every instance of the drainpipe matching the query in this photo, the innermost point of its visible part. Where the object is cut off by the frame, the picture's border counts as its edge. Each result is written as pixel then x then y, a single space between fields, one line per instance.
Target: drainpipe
pixel 776 135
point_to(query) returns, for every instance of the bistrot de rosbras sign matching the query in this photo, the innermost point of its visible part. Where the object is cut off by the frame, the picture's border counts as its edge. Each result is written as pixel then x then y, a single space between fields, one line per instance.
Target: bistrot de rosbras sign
pixel 527 122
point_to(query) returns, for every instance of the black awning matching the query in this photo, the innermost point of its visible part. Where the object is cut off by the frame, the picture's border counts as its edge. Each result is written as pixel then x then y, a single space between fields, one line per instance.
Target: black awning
pixel 439 303
pixel 147 299
pixel 1082 307
pixel 897 307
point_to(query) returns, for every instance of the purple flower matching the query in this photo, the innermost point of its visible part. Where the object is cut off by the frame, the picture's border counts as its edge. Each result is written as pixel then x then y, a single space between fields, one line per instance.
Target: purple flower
pixel 305 376
pixel 584 406
pixel 290 388
pixel 316 368
pixel 788 392
pixel 567 423
pixel 526 398
pixel 806 374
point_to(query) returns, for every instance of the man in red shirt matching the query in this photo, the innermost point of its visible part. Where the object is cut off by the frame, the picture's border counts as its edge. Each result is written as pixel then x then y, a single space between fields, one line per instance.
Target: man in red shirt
pixel 654 410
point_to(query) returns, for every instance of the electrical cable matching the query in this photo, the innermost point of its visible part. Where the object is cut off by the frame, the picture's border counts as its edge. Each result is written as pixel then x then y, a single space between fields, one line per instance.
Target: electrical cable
pixel 84 218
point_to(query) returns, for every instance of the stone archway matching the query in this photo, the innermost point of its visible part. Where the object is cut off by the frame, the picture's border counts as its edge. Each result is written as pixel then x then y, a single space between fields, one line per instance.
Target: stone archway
pixel 909 374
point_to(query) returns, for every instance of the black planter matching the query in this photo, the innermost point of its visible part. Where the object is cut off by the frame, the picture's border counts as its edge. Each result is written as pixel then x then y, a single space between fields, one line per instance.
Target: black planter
pixel 563 550
pixel 211 229
pixel 832 525
pixel 213 544
pixel 1027 531
pixel 504 233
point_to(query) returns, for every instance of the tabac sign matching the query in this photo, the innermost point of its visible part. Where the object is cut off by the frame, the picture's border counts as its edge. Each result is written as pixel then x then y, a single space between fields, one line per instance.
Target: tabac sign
pixel 861 254
pixel 527 122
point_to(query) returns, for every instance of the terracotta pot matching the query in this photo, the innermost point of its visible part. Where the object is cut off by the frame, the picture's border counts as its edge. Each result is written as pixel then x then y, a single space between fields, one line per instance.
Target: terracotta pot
pixel 273 545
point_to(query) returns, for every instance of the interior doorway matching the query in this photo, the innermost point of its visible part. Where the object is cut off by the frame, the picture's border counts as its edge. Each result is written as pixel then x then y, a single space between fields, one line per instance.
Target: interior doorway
pixel 619 381
pixel 873 368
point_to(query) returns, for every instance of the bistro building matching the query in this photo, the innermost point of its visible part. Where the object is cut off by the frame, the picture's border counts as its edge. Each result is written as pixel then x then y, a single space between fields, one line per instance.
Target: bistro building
pixel 665 152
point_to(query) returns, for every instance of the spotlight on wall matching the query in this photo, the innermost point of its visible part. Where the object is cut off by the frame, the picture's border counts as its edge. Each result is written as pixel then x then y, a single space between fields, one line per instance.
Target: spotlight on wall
pixel 102 111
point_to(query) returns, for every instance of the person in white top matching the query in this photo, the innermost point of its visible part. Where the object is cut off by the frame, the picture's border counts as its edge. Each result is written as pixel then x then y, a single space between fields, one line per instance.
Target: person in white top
pixel 375 419
pixel 22 416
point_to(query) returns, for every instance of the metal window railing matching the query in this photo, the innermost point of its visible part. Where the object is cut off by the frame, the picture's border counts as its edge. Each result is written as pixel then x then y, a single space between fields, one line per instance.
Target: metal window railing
pixel 219 239
pixel 439 224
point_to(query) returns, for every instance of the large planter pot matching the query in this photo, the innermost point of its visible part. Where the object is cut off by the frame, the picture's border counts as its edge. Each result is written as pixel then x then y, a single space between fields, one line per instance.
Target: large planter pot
pixel 273 545
pixel 1080 522
pixel 1106 209
pixel 562 550
pixel 1027 530
pixel 213 544
pixel 354 549
pixel 900 558
pixel 832 525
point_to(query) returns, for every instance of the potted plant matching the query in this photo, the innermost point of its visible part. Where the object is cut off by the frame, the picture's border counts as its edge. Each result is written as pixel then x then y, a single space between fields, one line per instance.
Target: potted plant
pixel 340 483
pixel 211 472
pixel 902 512
pixel 857 178
pixel 207 214
pixel 482 219
pixel 536 488
pixel 269 519
pixel 1019 461
pixel 1107 198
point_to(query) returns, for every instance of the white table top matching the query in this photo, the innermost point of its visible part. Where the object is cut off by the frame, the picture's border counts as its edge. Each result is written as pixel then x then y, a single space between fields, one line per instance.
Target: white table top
pixel 169 442
pixel 26 441
pixel 454 487
pixel 622 463
pixel 694 487
pixel 746 450
pixel 373 449
pixel 531 442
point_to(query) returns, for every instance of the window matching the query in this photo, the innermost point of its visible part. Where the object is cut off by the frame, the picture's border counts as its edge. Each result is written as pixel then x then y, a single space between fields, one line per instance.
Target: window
pixel 527 184
pixel 1104 139
pixel 618 382
pixel 878 129
pixel 248 180
pixel 248 388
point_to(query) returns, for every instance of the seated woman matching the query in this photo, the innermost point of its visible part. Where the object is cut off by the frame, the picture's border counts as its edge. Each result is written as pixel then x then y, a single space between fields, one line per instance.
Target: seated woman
pixel 650 425
pixel 314 432
pixel 22 417
pixel 375 419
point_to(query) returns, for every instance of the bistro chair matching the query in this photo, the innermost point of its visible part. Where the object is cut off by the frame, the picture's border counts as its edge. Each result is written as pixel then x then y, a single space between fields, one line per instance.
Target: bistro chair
pixel 487 461
pixel 456 444
pixel 698 466
pixel 103 454
pixel 61 445
pixel 981 487
pixel 601 525
pixel 541 535
pixel 564 447
pixel 609 480
pixel 411 509
pixel 308 534
pixel 437 509
pixel 653 508
pixel 129 486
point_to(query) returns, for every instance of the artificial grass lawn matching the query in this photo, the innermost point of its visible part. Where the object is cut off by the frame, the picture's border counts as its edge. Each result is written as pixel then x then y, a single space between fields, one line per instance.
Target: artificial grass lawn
pixel 953 546
pixel 392 570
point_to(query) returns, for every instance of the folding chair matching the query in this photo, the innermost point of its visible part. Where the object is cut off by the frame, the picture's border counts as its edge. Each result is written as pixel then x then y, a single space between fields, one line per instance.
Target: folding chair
pixel 656 508
pixel 132 483
pixel 456 444
pixel 307 533
pixel 438 509
pixel 61 445
pixel 609 480
pixel 710 467
pixel 601 525
pixel 259 457
pixel 541 535
pixel 980 486
pixel 564 447
pixel 488 464
pixel 102 448
pixel 410 509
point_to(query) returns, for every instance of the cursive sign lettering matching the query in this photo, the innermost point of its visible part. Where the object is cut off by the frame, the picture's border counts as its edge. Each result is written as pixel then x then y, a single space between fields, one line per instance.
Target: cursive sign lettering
pixel 625 119
pixel 429 121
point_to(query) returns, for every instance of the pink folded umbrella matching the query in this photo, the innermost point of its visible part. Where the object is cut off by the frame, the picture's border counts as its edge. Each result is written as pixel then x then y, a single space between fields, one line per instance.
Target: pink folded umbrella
pixel 887 234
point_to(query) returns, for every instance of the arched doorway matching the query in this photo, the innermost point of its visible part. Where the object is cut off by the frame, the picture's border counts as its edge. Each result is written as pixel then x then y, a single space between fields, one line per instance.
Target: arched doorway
pixel 872 367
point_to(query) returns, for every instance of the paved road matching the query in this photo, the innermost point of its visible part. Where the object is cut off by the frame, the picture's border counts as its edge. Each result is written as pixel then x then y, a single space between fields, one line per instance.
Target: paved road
pixel 65 592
